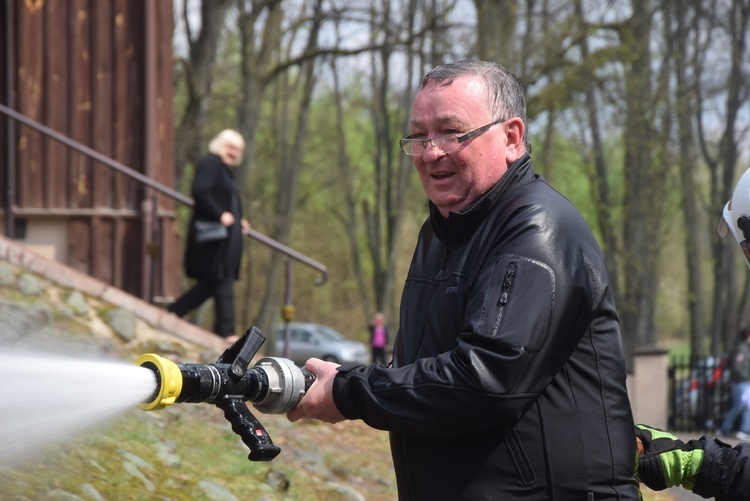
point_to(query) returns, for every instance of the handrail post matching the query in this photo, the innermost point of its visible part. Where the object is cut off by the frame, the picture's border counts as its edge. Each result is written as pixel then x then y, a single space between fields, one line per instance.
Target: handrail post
pixel 287 311
pixel 288 294
pixel 147 210
pixel 154 246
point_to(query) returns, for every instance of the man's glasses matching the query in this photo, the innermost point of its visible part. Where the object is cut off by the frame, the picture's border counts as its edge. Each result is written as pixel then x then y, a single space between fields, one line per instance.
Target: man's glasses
pixel 446 143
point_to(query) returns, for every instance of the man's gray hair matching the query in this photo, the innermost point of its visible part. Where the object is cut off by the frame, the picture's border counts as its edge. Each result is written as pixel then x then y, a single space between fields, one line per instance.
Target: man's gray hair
pixel 227 136
pixel 506 96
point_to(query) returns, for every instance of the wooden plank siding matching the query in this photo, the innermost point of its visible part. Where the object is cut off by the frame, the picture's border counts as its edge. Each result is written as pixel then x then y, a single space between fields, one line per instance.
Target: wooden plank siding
pixel 102 101
pixel 170 269
pixel 56 104
pixel 121 80
pixel 80 179
pixel 29 80
pixel 122 45
pixel 81 69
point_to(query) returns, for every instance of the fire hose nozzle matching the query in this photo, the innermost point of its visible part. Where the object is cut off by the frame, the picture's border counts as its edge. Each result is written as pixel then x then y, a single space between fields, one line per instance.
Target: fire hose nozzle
pixel 274 385
pixel 168 381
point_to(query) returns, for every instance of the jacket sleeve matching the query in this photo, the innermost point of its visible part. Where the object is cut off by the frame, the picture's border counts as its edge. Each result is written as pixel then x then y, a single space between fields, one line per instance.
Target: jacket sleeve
pixel 203 188
pixel 725 472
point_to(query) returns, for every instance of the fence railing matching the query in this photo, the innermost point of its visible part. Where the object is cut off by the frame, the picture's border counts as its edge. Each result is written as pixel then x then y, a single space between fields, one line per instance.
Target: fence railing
pixel 699 393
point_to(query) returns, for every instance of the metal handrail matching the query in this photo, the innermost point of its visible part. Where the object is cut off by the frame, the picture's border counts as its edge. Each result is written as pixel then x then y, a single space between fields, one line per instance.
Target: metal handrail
pixel 291 253
pixel 278 246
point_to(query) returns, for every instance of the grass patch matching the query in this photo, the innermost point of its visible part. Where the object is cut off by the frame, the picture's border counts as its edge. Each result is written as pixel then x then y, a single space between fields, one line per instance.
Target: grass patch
pixel 168 453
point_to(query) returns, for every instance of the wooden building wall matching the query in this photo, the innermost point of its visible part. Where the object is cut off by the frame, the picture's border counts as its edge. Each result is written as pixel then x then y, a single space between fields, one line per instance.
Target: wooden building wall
pixel 84 69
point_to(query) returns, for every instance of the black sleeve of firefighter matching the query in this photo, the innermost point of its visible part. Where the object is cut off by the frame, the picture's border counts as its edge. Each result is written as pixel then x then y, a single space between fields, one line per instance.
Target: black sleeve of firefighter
pixel 725 472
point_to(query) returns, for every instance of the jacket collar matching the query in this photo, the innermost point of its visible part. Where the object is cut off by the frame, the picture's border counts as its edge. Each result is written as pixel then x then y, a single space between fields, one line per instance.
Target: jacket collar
pixel 459 225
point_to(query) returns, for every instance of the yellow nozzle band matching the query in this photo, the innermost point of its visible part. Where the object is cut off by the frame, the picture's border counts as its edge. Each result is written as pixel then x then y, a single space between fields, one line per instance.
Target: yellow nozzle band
pixel 169 378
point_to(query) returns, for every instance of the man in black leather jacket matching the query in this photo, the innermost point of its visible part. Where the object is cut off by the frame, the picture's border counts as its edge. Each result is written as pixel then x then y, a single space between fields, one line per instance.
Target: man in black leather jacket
pixel 508 378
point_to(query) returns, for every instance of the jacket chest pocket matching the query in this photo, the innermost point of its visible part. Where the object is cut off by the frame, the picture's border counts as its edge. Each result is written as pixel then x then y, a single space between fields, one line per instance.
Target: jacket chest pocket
pixel 518 302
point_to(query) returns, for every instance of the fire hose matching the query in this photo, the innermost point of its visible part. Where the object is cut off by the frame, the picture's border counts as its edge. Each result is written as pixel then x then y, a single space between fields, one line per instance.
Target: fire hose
pixel 274 386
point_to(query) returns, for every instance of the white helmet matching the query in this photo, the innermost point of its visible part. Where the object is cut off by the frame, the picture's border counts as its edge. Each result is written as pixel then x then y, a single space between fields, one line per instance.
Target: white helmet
pixel 737 215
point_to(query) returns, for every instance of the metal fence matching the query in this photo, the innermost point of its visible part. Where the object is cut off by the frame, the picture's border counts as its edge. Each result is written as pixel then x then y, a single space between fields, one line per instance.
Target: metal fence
pixel 700 393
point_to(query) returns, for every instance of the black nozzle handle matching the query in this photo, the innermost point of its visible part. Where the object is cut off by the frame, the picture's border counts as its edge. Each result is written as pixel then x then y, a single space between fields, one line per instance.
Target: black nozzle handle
pixel 242 351
pixel 248 428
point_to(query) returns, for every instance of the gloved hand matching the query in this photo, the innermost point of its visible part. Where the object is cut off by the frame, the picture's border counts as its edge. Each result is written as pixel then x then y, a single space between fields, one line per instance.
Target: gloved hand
pixel 665 461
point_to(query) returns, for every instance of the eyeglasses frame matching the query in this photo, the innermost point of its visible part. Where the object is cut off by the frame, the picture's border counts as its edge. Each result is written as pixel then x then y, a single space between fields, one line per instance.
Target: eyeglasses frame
pixel 459 138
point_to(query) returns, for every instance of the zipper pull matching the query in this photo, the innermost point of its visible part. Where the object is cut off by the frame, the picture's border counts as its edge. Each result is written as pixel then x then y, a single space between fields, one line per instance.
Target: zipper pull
pixel 507 282
pixel 442 266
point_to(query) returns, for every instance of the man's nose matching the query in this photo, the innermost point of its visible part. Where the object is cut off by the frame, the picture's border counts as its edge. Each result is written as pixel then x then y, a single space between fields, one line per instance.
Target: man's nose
pixel 431 152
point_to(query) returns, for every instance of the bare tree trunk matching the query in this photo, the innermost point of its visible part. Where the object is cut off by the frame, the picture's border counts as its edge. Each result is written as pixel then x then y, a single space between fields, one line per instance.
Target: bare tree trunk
pixel 644 184
pixel 685 111
pixel 398 185
pixel 496 31
pixel 256 68
pixel 600 185
pixel 260 49
pixel 288 175
pixel 546 158
pixel 379 218
pixel 349 217
pixel 198 75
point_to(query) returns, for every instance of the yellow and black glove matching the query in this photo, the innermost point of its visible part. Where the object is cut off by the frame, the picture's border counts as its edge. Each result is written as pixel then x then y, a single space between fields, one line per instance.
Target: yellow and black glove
pixel 666 461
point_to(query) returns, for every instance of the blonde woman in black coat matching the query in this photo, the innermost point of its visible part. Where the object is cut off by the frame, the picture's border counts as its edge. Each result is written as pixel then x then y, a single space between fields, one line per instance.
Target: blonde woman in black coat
pixel 215 264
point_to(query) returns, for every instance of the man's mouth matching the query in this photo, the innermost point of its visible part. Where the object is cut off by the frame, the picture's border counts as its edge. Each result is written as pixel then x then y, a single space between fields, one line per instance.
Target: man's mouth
pixel 441 175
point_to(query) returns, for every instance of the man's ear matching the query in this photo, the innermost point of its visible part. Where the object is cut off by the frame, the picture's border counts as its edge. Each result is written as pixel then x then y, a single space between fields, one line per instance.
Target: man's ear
pixel 515 132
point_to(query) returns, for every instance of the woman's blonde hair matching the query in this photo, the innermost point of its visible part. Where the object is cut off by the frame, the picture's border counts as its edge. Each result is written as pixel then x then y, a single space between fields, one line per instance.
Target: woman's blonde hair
pixel 225 137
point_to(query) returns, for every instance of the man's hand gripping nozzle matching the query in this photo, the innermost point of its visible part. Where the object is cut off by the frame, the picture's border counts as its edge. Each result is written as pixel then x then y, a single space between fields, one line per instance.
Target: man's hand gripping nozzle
pixel 274 385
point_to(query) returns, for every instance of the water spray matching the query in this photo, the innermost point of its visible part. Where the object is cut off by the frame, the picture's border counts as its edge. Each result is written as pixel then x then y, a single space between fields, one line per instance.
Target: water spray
pixel 274 385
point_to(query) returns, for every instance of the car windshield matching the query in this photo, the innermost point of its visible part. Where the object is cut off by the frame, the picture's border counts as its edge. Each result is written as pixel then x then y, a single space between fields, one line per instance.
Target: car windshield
pixel 327 333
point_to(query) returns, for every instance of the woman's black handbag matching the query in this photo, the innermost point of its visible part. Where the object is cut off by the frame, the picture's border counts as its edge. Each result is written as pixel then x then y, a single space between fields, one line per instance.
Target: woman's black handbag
pixel 209 231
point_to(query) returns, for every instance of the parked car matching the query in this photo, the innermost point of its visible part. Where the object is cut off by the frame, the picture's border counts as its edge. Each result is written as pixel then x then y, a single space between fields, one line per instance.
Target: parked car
pixel 309 340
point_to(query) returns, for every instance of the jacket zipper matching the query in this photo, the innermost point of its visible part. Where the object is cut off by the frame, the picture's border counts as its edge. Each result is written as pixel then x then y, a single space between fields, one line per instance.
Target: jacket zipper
pixel 442 266
pixel 510 273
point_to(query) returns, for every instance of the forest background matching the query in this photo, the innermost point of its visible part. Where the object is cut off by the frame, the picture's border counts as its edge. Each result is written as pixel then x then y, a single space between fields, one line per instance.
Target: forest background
pixel 638 111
